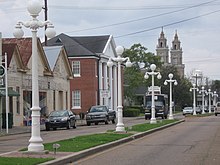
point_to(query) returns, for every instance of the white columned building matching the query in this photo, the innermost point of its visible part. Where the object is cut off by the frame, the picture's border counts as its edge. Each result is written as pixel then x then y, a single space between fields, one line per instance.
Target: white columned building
pixel 100 83
pixel 105 84
pixel 110 88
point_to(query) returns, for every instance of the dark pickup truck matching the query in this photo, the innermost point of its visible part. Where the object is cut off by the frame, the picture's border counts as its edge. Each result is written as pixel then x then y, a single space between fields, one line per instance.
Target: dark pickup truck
pixel 100 113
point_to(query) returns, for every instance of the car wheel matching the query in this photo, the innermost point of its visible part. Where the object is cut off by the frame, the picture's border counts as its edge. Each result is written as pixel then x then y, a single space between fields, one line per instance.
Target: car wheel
pixel 106 122
pixel 88 123
pixel 54 128
pixel 146 117
pixel 113 121
pixel 47 128
pixel 68 125
pixel 96 123
pixel 215 114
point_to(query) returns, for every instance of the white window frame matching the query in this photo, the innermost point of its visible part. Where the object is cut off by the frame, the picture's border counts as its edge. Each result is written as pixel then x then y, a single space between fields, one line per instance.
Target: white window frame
pixel 76 99
pixel 76 68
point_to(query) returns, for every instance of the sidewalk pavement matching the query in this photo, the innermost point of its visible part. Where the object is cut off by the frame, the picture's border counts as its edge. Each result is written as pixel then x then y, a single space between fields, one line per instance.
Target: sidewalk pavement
pixel 27 129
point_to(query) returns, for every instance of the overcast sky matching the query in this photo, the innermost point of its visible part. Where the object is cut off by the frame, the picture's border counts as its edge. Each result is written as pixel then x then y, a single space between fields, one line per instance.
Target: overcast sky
pixel 130 22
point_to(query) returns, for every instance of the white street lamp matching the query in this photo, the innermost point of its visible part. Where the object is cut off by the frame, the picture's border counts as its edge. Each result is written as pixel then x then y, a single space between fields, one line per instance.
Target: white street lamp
pixel 203 91
pixel 175 83
pixel 210 94
pixel 146 76
pixel 194 89
pixel 34 8
pixel 215 95
pixel 119 59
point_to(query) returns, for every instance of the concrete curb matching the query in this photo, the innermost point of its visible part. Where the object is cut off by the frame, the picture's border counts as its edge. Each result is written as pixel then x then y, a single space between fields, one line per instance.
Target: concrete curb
pixel 79 155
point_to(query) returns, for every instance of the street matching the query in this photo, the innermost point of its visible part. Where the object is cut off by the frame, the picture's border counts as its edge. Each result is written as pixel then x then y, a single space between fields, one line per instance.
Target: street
pixel 193 142
pixel 19 141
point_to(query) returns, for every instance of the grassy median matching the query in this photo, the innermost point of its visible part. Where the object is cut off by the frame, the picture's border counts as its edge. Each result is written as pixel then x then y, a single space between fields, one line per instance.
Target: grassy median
pixel 80 143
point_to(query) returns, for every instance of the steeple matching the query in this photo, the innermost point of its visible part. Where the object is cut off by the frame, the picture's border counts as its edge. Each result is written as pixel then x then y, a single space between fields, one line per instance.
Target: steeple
pixel 162 48
pixel 176 54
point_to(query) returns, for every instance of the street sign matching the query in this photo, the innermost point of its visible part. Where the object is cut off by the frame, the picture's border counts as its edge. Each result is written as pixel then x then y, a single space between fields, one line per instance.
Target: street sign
pixel 2 70
pixel 105 93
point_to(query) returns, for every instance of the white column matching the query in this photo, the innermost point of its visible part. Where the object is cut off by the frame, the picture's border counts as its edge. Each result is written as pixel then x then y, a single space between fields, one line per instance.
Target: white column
pixel 111 88
pixel 100 83
pixel 115 90
pixel 105 82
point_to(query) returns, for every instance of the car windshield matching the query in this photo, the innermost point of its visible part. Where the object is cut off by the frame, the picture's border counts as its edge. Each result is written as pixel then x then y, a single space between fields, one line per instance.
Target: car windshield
pixel 59 113
pixel 97 109
pixel 157 103
pixel 188 108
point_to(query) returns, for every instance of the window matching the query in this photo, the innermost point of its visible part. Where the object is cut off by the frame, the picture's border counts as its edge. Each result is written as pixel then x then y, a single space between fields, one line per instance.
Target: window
pixel 76 68
pixel 17 101
pixel 76 99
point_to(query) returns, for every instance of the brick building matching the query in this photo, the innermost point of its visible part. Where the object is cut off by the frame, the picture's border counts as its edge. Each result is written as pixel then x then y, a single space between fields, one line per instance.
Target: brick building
pixel 93 82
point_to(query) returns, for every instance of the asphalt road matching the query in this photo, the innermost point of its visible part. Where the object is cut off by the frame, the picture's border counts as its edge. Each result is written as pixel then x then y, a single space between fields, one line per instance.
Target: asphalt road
pixel 194 142
pixel 15 142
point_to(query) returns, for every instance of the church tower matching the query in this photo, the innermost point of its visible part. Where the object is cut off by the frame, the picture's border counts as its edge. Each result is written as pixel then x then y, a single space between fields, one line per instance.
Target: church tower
pixel 162 49
pixel 176 54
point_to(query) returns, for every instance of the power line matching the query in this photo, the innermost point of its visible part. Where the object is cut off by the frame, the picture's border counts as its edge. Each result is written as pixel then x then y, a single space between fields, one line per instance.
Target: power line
pixel 166 25
pixel 144 18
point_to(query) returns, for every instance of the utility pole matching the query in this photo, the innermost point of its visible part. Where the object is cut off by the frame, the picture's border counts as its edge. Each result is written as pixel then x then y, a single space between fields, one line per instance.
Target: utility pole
pixel 45 18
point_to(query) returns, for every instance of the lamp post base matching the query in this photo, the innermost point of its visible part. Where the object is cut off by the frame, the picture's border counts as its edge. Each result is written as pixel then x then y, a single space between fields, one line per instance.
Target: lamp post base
pixel 120 128
pixel 153 121
pixel 170 117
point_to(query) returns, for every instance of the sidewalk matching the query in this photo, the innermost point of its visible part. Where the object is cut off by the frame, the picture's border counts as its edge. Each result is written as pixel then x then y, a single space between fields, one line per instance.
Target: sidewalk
pixel 27 129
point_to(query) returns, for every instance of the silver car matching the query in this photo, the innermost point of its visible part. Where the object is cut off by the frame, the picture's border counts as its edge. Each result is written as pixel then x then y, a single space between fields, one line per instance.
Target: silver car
pixel 188 110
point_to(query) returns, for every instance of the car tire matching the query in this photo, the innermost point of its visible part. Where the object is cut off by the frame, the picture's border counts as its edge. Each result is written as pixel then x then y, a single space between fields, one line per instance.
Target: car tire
pixel 47 128
pixel 106 122
pixel 68 125
pixel 216 114
pixel 113 121
pixel 54 129
pixel 88 123
pixel 96 123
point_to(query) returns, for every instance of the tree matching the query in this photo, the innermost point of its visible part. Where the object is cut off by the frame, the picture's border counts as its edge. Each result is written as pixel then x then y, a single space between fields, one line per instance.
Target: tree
pixel 181 94
pixel 133 77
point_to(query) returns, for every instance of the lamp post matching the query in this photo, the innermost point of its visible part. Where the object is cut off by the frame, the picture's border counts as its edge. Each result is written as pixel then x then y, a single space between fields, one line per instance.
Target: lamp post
pixel 210 94
pixel 119 60
pixel 146 76
pixel 203 91
pixel 194 89
pixel 34 8
pixel 175 83
pixel 215 95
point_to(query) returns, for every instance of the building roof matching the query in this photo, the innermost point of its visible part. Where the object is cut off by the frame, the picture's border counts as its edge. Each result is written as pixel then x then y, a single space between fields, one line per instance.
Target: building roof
pixel 24 46
pixel 52 54
pixel 80 46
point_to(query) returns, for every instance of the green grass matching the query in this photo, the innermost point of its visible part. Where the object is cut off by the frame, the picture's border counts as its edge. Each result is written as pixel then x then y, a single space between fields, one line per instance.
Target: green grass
pixel 22 161
pixel 147 126
pixel 80 143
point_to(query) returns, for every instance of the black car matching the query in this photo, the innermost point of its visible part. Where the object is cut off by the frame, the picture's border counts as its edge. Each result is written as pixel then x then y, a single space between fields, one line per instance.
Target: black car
pixel 100 113
pixel 60 119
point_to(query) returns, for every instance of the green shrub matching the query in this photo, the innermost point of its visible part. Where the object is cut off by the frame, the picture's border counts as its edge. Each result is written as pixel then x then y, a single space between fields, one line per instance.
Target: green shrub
pixel 131 112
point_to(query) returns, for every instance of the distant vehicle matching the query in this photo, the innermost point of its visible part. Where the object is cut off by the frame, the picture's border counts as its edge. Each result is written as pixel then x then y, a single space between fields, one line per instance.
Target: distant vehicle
pixel 217 108
pixel 160 100
pixel 60 119
pixel 187 110
pixel 100 113
pixel 198 110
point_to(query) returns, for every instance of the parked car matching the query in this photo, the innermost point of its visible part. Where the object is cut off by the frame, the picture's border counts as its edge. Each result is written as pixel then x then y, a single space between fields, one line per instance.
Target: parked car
pixel 98 114
pixel 217 108
pixel 60 119
pixel 187 110
pixel 198 110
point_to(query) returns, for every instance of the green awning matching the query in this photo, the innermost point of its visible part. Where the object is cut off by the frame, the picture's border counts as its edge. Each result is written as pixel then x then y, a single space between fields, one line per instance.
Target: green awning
pixel 11 92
